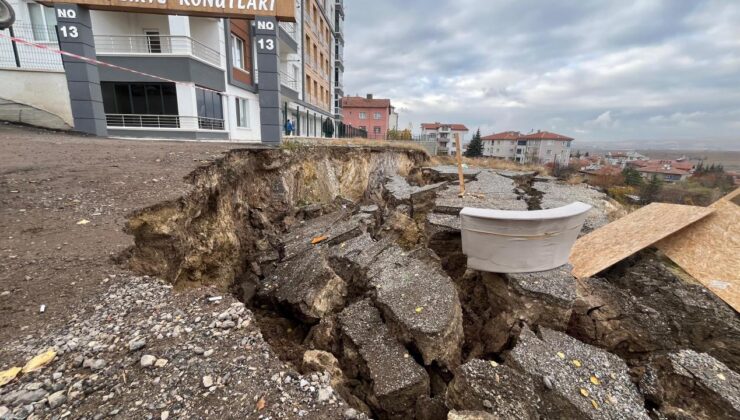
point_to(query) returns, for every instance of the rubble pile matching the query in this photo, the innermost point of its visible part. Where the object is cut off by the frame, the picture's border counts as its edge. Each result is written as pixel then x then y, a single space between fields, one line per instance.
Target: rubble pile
pixel 356 302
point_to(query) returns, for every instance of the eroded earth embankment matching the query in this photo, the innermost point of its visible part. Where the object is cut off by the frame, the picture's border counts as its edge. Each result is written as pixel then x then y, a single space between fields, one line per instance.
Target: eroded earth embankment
pixel 350 259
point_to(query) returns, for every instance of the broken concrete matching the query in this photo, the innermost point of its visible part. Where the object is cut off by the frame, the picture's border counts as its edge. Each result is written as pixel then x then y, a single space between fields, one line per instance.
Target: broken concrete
pixel 372 353
pixel 420 304
pixel 576 380
pixel 496 389
pixel 511 301
pixel 333 228
pixel 307 286
pixel 687 384
pixel 559 194
pixel 645 308
pixel 489 191
pixel 401 192
pixel 450 173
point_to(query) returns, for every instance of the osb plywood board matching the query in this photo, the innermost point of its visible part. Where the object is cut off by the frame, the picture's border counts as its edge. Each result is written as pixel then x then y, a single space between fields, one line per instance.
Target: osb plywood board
pixel 618 240
pixel 709 250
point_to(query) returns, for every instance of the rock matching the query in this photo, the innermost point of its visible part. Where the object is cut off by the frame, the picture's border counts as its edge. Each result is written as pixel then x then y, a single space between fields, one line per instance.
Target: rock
pixel 373 354
pixel 485 386
pixel 5 411
pixel 29 397
pixel 208 353
pixel 136 344
pixel 351 414
pixel 148 360
pixel 687 384
pixel 56 399
pixel 587 383
pixel 94 364
pixel 407 233
pixel 471 415
pixel 160 363
pixel 165 415
pixel 325 394
pixel 207 381
pixel 317 360
pixel 308 285
pixel 645 308
pixel 544 299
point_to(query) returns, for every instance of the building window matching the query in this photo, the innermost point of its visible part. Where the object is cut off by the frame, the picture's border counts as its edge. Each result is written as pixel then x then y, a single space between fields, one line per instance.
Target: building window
pixel 362 127
pixel 139 98
pixel 210 109
pixel 237 52
pixel 242 113
pixel 549 152
pixel 43 21
pixel 377 115
pixel 363 115
pixel 376 130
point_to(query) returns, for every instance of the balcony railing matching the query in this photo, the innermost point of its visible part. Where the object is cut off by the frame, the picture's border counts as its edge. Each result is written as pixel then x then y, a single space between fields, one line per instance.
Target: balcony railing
pixel 288 81
pixel 163 122
pixel 156 45
pixel 290 29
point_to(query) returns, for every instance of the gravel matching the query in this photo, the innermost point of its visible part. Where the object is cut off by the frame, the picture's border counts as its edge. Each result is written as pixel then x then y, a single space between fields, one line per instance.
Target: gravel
pixel 97 374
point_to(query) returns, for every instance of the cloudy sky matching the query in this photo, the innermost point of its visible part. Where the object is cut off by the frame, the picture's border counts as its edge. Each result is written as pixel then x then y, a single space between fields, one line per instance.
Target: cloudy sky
pixel 595 70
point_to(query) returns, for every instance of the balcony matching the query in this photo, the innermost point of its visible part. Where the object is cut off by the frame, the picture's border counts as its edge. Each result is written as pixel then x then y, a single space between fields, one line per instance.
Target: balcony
pixel 156 45
pixel 339 5
pixel 164 122
pixel 288 81
pixel 290 29
pixel 338 85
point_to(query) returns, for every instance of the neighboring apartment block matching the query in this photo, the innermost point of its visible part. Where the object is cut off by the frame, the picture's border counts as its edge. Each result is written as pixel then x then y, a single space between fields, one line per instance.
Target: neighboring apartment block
pixel 213 58
pixel 444 135
pixel 539 147
pixel 369 114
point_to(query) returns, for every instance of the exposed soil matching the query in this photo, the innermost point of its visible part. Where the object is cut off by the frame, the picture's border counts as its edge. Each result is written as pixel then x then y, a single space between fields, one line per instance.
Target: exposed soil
pixel 349 261
pixel 49 182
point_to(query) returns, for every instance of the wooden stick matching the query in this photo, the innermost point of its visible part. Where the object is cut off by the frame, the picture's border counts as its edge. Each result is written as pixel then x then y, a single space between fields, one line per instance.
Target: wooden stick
pixel 458 146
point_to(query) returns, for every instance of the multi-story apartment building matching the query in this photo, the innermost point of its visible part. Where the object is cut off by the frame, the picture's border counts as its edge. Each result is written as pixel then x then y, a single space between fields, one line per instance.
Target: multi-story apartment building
pixel 540 147
pixel 444 135
pixel 369 114
pixel 217 94
pixel 338 58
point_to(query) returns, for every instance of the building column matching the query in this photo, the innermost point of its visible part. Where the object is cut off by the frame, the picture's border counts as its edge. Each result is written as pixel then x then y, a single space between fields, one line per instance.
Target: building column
pixel 83 79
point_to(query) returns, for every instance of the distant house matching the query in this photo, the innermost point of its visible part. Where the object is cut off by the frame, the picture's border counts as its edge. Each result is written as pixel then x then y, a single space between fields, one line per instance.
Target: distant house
pixel 369 114
pixel 665 170
pixel 444 135
pixel 601 175
pixel 539 147
pixel 622 159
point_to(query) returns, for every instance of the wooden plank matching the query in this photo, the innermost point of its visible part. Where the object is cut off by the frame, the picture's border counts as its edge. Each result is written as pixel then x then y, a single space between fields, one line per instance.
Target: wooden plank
pixel 709 250
pixel 616 241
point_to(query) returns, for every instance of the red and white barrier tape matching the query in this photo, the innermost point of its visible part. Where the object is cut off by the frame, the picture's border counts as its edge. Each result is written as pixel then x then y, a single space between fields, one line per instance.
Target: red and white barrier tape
pixel 103 63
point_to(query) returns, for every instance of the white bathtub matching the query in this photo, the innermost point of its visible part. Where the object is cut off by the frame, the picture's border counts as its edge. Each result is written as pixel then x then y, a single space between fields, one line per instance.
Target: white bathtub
pixel 500 241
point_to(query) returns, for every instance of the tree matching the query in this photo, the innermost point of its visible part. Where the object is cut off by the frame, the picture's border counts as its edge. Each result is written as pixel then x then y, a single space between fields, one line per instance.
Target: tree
pixel 650 191
pixel 475 147
pixel 632 177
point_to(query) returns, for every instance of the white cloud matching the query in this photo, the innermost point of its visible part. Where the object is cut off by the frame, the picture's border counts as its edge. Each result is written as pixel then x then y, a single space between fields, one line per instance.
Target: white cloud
pixel 568 65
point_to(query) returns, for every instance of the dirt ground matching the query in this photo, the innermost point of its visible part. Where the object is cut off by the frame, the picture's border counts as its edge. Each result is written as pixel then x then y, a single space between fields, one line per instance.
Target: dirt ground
pixel 49 182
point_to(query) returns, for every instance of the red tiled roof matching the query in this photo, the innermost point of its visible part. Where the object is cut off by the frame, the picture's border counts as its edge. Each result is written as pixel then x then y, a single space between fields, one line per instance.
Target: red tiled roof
pixel 545 135
pixel 662 169
pixel 360 102
pixel 606 171
pixel 506 135
pixel 436 126
pixel 674 164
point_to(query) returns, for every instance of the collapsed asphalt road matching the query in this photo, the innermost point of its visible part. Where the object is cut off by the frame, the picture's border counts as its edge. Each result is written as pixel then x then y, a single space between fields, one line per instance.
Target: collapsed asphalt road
pixel 358 304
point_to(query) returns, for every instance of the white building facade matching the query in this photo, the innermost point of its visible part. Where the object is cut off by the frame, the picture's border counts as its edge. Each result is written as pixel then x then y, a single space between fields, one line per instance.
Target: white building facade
pixel 540 147
pixel 208 82
pixel 444 135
